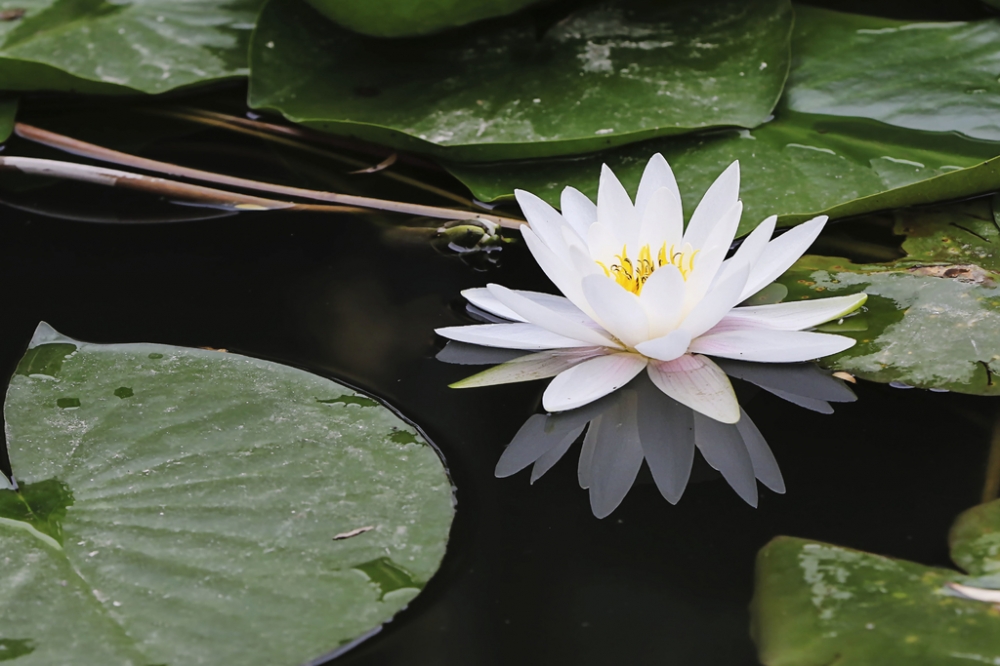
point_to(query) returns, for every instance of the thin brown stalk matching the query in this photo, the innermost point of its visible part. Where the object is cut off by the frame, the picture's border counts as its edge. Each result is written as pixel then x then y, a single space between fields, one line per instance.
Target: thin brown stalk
pixel 293 138
pixel 90 150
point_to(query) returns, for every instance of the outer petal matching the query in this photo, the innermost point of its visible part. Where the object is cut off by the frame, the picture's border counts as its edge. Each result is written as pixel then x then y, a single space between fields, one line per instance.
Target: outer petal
pixel 769 346
pixel 617 310
pixel 510 336
pixel 719 198
pixel 559 321
pixel 655 176
pixel 753 246
pixel 700 384
pixel 717 302
pixel 663 299
pixel 484 300
pixel 528 368
pixel 661 221
pixel 578 210
pixel 545 221
pixel 615 209
pixel 591 380
pixel 781 253
pixel 798 315
pixel 711 255
pixel 671 346
pixel 562 275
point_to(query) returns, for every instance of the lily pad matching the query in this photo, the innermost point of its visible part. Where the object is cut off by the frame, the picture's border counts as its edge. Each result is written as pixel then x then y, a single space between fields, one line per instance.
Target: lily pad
pixel 401 18
pixel 939 77
pixel 816 603
pixel 126 46
pixel 606 75
pixel 932 318
pixel 188 506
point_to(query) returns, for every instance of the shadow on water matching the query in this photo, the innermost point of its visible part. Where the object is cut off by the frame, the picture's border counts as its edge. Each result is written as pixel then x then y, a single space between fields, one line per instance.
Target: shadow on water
pixel 531 577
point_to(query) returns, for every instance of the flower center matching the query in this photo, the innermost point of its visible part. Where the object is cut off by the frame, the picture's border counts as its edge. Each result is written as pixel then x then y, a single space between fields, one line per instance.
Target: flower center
pixel 632 275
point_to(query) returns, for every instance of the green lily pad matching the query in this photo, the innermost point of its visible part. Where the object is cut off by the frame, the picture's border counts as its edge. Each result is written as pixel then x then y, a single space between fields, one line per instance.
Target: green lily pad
pixel 932 318
pixel 608 74
pixel 126 46
pixel 8 116
pixel 187 506
pixel 816 603
pixel 940 77
pixel 402 18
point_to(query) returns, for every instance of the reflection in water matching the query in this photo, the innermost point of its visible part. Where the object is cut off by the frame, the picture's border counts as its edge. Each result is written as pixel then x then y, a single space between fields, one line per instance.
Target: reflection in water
pixel 640 422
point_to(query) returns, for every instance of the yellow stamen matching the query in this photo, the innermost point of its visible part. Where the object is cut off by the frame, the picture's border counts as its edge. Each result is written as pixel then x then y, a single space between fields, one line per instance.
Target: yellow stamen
pixel 632 275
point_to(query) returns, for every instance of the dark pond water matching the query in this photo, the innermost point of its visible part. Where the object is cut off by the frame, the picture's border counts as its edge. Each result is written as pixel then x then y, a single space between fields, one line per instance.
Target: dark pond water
pixel 531 577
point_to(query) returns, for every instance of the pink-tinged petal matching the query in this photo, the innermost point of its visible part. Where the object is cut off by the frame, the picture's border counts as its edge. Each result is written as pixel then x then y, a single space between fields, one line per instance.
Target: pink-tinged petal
pixel 591 380
pixel 578 210
pixel 531 367
pixel 510 336
pixel 658 175
pixel 720 197
pixel 663 299
pixel 722 446
pixel 562 275
pixel 770 346
pixel 662 222
pixel 697 382
pixel 484 300
pixel 618 310
pixel 798 315
pixel 781 253
pixel 711 255
pixel 667 348
pixel 556 320
pixel 719 300
pixel 545 221
pixel 614 207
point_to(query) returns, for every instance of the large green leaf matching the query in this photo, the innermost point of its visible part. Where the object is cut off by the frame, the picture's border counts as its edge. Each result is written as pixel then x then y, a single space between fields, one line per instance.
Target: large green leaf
pixel 939 77
pixel 796 166
pixel 184 506
pixel 609 74
pixel 126 46
pixel 399 18
pixel 933 317
pixel 816 603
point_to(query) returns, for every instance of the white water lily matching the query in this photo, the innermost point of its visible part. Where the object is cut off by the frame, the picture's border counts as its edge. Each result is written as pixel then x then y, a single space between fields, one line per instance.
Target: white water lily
pixel 642 292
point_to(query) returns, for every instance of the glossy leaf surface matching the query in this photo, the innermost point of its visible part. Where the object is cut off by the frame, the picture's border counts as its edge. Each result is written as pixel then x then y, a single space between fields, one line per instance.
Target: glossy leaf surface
pixel 609 74
pixel 402 18
pixel 189 506
pixel 128 46
pixel 816 603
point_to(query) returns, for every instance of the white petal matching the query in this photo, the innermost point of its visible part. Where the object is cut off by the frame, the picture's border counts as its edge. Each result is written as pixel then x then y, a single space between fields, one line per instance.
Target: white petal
pixel 662 222
pixel 781 253
pixel 662 298
pixel 719 198
pixel 718 302
pixel 616 458
pixel 798 315
pixel 617 310
pixel 545 221
pixel 666 430
pixel 655 176
pixel 510 336
pixel 578 210
pixel 562 275
pixel 770 346
pixel 765 467
pixel 669 347
pixel 603 243
pixel 722 446
pixel 753 245
pixel 614 207
pixel 557 320
pixel 711 255
pixel 591 380
pixel 977 593
pixel 530 367
pixel 699 383
pixel 484 300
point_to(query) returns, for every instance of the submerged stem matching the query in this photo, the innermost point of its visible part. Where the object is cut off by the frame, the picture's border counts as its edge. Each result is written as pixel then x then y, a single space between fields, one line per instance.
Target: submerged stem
pixel 991 487
pixel 84 149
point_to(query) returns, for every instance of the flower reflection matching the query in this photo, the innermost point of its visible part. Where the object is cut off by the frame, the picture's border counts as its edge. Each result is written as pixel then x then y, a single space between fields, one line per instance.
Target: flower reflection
pixel 639 422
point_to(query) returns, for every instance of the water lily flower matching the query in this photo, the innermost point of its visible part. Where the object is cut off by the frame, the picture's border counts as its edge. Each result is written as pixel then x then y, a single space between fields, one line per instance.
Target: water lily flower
pixel 642 292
